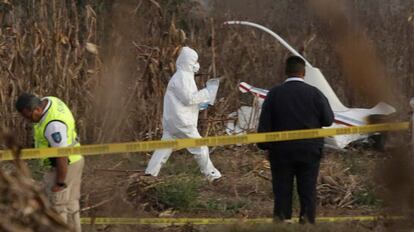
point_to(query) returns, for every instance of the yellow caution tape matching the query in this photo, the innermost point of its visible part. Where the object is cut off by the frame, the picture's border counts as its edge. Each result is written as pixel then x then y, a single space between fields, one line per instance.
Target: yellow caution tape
pixel 215 221
pixel 99 149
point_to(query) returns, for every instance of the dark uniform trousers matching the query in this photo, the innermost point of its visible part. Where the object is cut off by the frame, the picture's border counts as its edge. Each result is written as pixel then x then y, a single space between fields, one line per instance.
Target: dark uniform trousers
pixel 285 166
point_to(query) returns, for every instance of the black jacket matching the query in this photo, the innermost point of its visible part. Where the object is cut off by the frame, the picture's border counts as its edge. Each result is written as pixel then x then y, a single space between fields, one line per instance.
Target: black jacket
pixel 294 105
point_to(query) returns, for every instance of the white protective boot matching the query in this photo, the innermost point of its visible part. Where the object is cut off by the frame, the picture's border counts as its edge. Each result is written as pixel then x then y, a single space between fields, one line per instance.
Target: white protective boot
pixel 202 156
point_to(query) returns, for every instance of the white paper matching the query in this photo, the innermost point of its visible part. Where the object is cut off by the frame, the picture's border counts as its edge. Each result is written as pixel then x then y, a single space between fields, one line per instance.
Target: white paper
pixel 212 86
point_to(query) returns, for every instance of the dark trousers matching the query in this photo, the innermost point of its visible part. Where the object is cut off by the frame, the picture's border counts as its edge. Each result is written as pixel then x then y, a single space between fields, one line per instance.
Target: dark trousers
pixel 285 167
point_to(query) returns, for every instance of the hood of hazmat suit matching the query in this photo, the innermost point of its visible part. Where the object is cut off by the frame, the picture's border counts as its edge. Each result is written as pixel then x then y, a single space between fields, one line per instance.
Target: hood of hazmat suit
pixel 182 97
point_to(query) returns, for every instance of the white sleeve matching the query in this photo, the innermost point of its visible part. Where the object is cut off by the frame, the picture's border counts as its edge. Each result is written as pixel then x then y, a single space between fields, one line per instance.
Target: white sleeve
pixel 185 89
pixel 56 134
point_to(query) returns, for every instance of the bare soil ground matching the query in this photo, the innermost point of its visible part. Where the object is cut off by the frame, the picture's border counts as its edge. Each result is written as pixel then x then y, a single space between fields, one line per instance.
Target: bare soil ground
pixel 114 187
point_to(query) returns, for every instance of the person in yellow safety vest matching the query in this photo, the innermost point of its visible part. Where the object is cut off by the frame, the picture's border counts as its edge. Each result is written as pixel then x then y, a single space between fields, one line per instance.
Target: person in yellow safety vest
pixel 54 126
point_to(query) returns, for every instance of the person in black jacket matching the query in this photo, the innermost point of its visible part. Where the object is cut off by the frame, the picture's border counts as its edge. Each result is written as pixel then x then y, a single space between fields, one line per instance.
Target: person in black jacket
pixel 294 105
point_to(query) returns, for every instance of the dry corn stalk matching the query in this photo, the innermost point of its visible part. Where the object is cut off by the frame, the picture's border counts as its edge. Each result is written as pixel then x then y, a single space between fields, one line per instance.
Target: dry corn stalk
pixel 23 204
pixel 337 186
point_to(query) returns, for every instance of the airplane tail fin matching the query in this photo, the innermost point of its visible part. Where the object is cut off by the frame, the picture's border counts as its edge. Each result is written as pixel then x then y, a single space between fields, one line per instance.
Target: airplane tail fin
pixel 382 108
pixel 315 78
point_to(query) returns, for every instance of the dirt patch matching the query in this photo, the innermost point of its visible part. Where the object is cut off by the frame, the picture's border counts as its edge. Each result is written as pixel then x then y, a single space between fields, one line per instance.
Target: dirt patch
pixel 244 189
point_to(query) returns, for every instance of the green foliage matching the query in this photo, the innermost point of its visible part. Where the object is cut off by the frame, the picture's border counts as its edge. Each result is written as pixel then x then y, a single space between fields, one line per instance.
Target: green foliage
pixel 367 197
pixel 211 205
pixel 235 206
pixel 180 193
pixel 180 163
pixel 363 165
pixel 229 206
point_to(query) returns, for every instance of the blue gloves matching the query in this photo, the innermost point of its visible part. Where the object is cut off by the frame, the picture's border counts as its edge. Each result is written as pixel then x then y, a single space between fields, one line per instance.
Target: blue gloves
pixel 203 105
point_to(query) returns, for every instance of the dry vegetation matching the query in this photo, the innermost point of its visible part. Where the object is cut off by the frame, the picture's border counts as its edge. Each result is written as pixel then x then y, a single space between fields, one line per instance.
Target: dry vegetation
pixel 111 61
pixel 24 206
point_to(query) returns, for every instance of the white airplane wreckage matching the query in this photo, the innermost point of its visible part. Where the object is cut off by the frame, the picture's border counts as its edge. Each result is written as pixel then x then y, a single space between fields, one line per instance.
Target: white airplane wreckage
pixel 247 117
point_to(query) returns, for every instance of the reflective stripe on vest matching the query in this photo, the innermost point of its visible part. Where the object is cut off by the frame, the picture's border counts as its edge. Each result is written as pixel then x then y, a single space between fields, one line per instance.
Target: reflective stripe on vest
pixel 57 111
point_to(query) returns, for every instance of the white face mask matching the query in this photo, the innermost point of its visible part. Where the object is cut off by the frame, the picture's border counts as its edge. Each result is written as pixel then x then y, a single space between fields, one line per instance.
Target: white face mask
pixel 196 67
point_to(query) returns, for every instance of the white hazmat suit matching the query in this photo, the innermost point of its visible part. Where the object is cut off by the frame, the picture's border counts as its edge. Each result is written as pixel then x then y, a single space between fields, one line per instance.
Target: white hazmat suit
pixel 180 116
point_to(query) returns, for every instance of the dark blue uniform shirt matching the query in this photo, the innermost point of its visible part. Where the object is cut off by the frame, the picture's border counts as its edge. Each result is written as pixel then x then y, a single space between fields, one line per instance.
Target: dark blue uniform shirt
pixel 294 105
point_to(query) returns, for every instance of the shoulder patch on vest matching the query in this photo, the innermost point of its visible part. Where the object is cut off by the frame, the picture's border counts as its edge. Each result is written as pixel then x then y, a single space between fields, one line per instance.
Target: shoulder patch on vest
pixel 57 137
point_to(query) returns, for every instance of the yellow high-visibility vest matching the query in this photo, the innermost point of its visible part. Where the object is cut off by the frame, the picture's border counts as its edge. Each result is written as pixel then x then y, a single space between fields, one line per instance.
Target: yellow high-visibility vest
pixel 58 111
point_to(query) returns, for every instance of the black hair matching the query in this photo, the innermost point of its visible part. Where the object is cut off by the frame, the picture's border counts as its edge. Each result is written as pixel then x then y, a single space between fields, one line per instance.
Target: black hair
pixel 27 101
pixel 294 65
